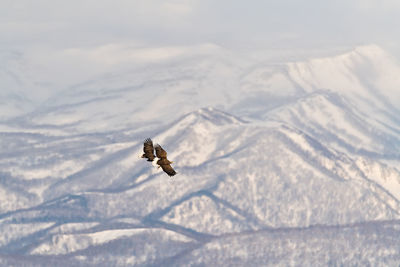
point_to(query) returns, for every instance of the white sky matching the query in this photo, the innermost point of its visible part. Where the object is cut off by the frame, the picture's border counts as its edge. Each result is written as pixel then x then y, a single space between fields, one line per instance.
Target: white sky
pixel 72 23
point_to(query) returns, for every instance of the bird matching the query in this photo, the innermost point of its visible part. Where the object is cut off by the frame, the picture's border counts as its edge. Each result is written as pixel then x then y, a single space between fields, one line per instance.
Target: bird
pixel 148 150
pixel 163 162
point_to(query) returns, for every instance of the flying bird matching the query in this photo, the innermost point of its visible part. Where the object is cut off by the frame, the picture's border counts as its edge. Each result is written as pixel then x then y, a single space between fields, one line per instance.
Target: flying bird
pixel 163 162
pixel 148 150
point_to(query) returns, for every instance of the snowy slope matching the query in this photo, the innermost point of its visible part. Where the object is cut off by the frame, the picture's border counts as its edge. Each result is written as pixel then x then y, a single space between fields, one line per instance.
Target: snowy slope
pixel 13 101
pixel 361 244
pixel 290 163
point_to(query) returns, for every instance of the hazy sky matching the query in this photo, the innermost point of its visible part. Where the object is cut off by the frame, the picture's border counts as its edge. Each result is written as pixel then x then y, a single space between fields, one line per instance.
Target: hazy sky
pixel 62 43
pixel 255 23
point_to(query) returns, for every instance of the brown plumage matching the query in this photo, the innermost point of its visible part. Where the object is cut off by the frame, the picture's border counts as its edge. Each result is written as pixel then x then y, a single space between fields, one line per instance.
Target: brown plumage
pixel 148 150
pixel 163 162
pixel 168 169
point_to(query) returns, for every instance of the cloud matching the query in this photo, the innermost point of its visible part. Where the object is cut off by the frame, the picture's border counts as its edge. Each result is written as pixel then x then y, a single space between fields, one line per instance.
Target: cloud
pixel 60 68
pixel 123 53
pixel 87 21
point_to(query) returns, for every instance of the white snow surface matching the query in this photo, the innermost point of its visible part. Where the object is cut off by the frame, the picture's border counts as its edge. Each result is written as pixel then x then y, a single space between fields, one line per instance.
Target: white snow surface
pixel 279 163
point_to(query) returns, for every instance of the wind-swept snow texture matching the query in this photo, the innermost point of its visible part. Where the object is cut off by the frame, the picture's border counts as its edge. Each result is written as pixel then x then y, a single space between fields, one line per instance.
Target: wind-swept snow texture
pixel 283 163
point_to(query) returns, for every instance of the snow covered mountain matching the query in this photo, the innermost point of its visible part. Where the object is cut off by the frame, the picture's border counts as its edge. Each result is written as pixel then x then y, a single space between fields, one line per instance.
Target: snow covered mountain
pixel 290 163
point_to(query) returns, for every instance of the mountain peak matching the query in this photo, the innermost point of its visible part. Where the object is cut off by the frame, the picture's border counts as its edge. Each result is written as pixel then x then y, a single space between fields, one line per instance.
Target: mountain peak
pixel 371 49
pixel 217 116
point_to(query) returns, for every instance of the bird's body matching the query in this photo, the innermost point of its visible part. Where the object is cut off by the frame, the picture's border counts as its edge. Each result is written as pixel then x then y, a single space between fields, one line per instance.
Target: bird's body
pixel 163 162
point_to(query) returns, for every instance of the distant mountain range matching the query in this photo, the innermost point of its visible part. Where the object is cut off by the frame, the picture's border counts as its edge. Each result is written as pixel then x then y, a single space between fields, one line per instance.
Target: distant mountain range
pixel 278 163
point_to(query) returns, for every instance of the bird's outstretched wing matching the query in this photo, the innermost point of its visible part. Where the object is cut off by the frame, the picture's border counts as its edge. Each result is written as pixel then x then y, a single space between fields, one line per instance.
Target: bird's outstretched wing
pixel 168 169
pixel 160 152
pixel 148 150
